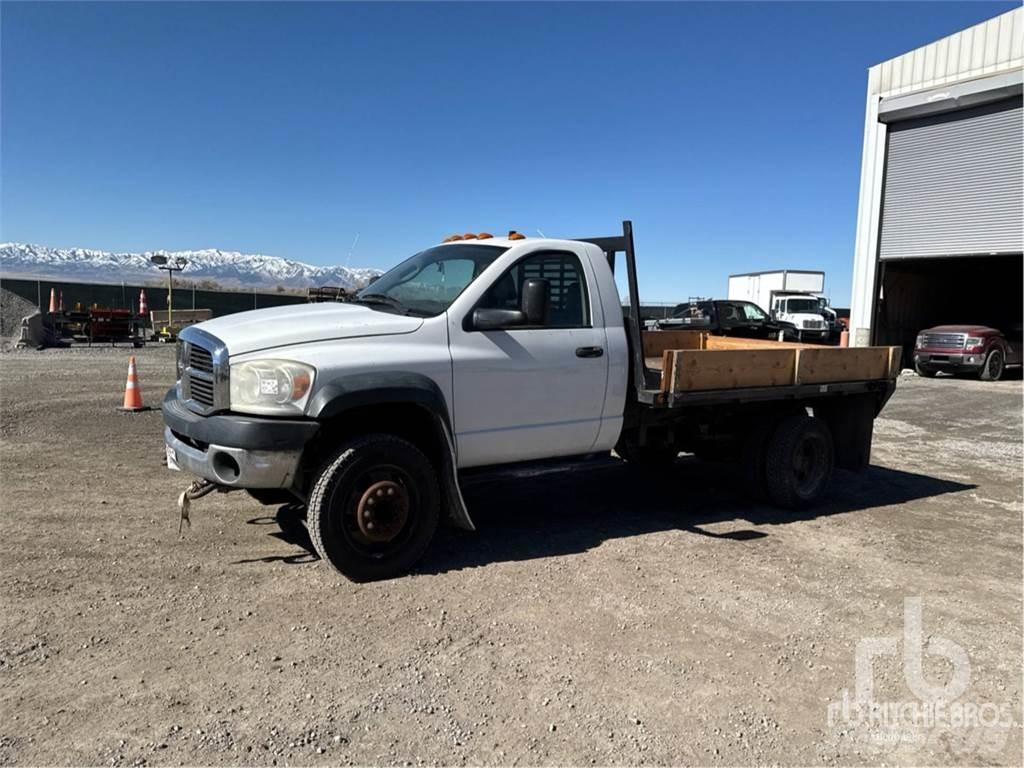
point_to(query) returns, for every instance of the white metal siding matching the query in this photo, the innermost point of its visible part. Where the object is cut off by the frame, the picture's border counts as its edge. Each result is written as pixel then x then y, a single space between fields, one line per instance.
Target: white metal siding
pixel 953 184
pixel 990 48
pixel 994 46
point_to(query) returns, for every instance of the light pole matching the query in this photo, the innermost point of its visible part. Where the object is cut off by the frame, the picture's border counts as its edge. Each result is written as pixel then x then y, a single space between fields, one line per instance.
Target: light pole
pixel 162 262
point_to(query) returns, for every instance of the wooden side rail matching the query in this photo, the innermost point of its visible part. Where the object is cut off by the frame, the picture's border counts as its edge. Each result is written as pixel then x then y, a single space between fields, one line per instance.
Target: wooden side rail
pixel 772 364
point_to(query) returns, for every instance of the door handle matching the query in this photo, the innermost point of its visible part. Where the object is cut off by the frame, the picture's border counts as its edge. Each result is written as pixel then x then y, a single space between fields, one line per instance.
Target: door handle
pixel 589 351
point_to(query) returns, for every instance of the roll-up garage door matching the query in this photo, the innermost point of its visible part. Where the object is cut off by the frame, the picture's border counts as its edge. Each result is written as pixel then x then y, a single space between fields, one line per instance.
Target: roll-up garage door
pixel 953 184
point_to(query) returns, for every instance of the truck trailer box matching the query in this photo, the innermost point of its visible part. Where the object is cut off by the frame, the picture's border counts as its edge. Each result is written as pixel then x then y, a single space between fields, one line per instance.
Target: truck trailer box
pixel 759 287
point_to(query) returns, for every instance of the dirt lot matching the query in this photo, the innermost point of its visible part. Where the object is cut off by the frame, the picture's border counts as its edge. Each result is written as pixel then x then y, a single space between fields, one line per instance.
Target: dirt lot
pixel 592 619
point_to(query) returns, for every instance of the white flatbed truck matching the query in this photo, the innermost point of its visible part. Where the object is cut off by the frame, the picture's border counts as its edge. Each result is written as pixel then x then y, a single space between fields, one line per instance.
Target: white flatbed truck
pixel 482 352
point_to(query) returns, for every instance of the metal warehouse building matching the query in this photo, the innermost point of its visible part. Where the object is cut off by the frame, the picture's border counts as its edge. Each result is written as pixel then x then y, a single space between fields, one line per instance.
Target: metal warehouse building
pixel 940 224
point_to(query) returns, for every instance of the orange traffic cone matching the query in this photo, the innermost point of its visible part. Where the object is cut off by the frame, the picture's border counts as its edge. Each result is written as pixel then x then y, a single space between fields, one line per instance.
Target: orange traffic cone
pixel 143 307
pixel 53 301
pixel 132 391
pixel 60 302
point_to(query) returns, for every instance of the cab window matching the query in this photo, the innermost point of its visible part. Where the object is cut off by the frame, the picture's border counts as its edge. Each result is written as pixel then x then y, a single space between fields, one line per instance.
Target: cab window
pixel 569 305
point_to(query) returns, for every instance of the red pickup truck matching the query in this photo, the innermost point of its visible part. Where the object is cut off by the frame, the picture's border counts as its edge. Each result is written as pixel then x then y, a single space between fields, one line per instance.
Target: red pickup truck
pixel 975 349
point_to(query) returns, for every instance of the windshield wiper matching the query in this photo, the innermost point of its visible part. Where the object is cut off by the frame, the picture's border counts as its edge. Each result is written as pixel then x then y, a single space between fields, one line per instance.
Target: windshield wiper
pixel 387 301
pixel 378 298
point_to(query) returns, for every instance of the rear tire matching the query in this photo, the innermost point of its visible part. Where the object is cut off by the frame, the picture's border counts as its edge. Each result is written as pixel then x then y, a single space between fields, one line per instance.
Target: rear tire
pixel 994 366
pixel 374 507
pixel 798 462
pixel 923 370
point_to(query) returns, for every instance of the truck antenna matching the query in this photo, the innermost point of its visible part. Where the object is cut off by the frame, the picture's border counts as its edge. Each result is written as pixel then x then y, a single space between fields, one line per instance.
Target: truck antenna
pixel 350 250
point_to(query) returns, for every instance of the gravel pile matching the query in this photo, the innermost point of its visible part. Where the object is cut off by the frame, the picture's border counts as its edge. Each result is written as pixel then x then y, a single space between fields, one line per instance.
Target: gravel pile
pixel 12 309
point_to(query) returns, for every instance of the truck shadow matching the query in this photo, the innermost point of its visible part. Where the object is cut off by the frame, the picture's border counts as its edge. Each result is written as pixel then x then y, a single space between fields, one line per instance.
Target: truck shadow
pixel 567 512
pixel 571 512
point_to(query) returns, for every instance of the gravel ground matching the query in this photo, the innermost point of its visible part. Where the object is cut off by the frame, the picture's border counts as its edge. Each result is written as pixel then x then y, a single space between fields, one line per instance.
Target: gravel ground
pixel 595 618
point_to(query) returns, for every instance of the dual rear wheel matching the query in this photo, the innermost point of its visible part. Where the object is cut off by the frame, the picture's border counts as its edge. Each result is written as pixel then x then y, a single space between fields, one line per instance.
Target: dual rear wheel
pixel 787 461
pixel 790 462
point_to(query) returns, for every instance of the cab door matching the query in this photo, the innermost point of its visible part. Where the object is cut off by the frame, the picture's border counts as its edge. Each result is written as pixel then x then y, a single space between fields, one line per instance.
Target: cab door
pixel 522 393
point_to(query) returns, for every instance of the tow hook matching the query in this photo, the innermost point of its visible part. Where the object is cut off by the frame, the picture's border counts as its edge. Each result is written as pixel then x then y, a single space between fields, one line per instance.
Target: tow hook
pixel 196 490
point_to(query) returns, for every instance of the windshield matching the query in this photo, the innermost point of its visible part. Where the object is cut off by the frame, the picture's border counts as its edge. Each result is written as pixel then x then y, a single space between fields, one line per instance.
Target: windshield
pixel 430 281
pixel 802 305
pixel 754 313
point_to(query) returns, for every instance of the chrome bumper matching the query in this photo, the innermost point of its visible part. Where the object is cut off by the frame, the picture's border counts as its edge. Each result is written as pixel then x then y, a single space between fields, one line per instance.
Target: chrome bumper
pixel 958 360
pixel 234 467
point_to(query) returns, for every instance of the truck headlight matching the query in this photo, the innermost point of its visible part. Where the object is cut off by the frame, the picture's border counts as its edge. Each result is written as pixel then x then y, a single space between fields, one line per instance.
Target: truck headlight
pixel 271 387
pixel 919 342
pixel 974 341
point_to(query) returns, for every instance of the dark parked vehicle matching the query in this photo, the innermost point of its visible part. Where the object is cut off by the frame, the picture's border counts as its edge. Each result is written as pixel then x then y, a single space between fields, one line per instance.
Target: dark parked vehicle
pixel 975 349
pixel 726 317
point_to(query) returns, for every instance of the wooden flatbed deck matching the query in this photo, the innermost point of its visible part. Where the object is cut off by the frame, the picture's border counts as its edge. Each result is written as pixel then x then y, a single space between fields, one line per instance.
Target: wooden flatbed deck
pixel 693 361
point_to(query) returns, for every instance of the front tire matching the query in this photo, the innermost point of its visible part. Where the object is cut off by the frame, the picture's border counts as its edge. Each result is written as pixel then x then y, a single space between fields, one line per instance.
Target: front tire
pixel 993 368
pixel 799 462
pixel 374 507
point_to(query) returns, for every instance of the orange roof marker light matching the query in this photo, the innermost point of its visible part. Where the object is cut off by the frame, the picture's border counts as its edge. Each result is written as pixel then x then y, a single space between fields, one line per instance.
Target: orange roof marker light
pixel 469 236
pixel 513 235
pixel 452 238
pixel 484 236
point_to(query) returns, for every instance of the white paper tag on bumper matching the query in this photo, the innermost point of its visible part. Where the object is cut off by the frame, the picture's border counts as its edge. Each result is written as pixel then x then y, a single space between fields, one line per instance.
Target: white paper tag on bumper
pixel 172 459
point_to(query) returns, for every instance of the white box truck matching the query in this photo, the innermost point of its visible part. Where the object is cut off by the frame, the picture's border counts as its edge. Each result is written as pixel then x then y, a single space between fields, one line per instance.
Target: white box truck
pixel 792 296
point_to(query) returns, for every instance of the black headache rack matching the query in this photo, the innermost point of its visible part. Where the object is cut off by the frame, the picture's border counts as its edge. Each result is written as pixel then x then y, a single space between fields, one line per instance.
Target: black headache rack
pixel 642 378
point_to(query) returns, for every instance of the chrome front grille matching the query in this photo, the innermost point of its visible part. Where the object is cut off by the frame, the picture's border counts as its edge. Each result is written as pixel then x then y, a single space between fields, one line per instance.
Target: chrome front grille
pixel 944 340
pixel 201 390
pixel 204 370
pixel 200 359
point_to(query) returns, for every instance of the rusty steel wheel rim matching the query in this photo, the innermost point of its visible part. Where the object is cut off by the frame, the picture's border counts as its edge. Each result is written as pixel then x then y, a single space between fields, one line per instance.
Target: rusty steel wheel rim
pixel 383 511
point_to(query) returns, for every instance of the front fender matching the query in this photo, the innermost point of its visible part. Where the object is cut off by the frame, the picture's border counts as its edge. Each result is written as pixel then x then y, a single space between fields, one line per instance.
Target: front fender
pixel 358 390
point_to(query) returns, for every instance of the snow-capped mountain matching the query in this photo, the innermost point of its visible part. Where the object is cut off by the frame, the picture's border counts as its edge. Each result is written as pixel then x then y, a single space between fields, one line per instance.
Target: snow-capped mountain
pixel 228 268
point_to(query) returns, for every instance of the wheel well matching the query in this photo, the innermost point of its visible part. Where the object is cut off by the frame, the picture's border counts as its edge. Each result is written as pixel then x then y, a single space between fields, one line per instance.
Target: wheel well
pixel 409 421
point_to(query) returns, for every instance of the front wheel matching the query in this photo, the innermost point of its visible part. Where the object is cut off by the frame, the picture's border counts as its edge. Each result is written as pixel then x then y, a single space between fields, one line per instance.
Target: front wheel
pixel 993 368
pixel 374 507
pixel 798 462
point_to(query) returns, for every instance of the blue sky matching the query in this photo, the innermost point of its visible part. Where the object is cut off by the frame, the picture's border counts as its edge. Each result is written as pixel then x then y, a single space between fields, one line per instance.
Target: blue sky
pixel 730 133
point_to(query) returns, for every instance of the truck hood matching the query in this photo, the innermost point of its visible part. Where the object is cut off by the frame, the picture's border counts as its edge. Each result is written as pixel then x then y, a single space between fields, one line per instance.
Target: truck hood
pixel 976 329
pixel 259 329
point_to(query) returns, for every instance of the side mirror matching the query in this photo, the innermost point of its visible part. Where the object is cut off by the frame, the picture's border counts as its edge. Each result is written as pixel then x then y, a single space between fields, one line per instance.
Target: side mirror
pixel 497 319
pixel 535 301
